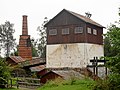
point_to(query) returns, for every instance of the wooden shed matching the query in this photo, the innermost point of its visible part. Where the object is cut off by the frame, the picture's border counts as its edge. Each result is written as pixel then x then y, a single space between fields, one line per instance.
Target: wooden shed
pixel 49 76
pixel 63 74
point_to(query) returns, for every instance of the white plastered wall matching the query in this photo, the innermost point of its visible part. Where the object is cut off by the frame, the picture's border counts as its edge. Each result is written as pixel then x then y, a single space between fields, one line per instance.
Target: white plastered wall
pixel 75 55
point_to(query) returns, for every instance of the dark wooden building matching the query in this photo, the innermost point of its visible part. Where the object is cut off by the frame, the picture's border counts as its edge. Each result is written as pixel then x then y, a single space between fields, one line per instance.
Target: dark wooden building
pixel 49 76
pixel 72 40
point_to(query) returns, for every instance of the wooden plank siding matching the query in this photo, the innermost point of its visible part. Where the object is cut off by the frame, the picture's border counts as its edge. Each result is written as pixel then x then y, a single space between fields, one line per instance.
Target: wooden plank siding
pixel 96 39
pixel 66 20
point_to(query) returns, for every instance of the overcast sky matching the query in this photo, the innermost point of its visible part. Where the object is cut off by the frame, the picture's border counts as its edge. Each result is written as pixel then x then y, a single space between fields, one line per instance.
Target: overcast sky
pixel 103 11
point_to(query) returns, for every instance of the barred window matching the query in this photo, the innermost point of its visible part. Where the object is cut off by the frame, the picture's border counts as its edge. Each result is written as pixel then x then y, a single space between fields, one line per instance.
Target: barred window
pixel 65 31
pixel 94 31
pixel 78 29
pixel 53 32
pixel 89 30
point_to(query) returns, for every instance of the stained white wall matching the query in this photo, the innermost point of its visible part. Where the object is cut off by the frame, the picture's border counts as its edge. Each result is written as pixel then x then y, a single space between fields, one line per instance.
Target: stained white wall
pixel 75 55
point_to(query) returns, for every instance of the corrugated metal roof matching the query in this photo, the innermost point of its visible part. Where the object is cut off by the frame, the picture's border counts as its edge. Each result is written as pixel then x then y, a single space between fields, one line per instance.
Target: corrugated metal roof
pixel 84 18
pixel 34 61
pixel 17 59
pixel 37 68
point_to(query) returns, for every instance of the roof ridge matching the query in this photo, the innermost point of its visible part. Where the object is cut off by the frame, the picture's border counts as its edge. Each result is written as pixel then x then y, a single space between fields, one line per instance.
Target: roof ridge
pixel 84 18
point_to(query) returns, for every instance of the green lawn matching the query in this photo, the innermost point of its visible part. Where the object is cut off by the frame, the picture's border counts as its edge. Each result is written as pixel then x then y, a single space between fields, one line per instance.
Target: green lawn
pixel 9 89
pixel 85 84
pixel 58 84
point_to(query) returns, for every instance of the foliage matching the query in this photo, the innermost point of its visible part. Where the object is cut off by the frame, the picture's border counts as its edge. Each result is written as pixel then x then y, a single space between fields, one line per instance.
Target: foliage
pixel 60 84
pixel 41 42
pixel 112 41
pixel 4 72
pixel 112 53
pixel 7 40
pixel 34 49
pixel 113 38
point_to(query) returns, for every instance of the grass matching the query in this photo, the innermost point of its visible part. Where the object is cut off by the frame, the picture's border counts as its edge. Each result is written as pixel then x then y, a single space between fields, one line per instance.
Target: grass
pixel 8 89
pixel 73 84
pixel 59 84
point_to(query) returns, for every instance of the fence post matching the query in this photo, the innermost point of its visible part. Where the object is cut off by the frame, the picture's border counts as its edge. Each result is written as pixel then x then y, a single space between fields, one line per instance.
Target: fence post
pixel 17 83
pixel 96 66
pixel 10 82
pixel 7 83
pixel 105 69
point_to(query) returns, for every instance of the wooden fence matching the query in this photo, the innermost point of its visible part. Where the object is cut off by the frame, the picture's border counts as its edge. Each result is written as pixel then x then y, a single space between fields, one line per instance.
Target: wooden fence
pixel 24 82
pixel 95 65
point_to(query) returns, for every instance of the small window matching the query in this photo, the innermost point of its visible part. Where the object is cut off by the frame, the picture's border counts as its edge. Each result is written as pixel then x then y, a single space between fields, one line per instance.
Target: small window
pixel 53 32
pixel 65 31
pixel 94 31
pixel 89 30
pixel 78 29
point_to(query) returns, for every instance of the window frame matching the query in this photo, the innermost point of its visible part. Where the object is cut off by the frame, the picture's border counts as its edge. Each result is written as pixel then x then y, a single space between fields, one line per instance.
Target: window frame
pixel 65 31
pixel 53 32
pixel 78 30
pixel 89 30
pixel 94 31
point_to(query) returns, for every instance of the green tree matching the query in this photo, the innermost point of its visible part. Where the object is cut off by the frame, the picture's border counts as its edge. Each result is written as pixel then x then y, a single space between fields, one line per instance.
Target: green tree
pixel 6 37
pixel 41 45
pixel 112 53
pixel 4 72
pixel 34 49
pixel 111 41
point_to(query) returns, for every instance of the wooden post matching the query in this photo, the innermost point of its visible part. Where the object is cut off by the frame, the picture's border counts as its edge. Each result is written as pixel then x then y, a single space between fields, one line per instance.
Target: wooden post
pixel 105 69
pixel 96 66
pixel 17 83
pixel 7 83
pixel 10 82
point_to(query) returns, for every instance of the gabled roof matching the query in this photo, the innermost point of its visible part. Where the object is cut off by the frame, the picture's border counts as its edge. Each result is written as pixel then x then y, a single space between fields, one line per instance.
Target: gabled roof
pixel 81 17
pixel 16 59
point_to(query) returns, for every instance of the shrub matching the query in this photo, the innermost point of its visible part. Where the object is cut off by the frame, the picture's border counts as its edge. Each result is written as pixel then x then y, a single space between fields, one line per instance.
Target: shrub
pixel 4 72
pixel 111 83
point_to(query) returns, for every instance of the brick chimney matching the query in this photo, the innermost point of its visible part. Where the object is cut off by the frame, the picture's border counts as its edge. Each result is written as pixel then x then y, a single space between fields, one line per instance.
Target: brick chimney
pixel 24 48
pixel 24 27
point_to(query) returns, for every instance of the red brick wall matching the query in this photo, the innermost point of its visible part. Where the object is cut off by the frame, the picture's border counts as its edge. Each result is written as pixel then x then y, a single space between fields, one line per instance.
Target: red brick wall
pixel 25 50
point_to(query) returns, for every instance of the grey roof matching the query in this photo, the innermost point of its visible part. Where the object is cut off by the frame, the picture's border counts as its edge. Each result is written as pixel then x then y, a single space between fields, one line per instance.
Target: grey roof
pixel 81 17
pixel 68 74
pixel 85 19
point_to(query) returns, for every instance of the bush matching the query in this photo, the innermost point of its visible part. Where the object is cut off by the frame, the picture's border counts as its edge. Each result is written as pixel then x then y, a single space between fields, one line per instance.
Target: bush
pixel 111 83
pixel 4 72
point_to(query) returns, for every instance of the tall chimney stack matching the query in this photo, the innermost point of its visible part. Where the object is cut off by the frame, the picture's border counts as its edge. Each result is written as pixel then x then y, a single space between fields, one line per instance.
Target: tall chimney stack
pixel 24 25
pixel 24 48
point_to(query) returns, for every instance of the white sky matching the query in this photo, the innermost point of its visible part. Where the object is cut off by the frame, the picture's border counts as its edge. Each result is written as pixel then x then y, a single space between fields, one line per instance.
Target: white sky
pixel 103 11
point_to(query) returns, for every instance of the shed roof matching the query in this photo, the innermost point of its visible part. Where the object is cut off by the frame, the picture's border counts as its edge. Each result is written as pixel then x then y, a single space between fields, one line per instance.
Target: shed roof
pixel 65 74
pixel 81 17
pixel 37 68
pixel 68 74
pixel 34 62
pixel 16 59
